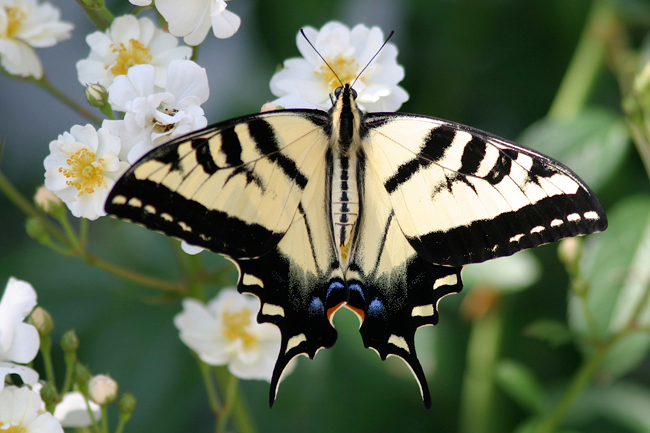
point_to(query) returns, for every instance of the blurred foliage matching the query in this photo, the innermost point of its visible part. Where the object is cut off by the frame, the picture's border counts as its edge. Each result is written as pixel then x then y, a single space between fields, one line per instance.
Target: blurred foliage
pixel 565 352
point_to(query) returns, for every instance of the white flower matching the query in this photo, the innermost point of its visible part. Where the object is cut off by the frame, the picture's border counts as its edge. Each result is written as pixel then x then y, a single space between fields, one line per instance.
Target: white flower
pixel 192 19
pixel 82 167
pixel 19 342
pixel 307 82
pixel 128 42
pixel 72 411
pixel 151 118
pixel 20 412
pixel 25 24
pixel 226 332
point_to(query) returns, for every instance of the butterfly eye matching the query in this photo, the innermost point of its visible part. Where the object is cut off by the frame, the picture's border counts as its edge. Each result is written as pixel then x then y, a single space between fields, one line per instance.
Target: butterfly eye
pixel 354 93
pixel 337 91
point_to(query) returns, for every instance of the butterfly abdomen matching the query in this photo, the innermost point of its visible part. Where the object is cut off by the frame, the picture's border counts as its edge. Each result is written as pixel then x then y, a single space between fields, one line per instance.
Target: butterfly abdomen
pixel 345 206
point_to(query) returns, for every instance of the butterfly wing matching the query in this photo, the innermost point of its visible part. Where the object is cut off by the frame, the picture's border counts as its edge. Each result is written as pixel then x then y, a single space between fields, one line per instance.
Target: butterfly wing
pixel 253 190
pixel 462 196
pixel 232 188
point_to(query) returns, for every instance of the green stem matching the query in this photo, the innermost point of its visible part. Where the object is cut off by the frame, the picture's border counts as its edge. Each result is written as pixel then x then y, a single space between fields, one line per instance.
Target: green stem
pixel 582 378
pixel 195 53
pixel 95 425
pixel 242 417
pixel 211 390
pixel 83 232
pixel 73 240
pixel 44 84
pixel 231 394
pixel 478 383
pixel 585 65
pixel 156 283
pixel 104 419
pixel 70 363
pixel 46 351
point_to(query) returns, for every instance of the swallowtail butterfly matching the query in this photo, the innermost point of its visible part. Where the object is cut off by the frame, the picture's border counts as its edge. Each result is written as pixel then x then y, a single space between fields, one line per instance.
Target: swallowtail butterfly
pixel 376 212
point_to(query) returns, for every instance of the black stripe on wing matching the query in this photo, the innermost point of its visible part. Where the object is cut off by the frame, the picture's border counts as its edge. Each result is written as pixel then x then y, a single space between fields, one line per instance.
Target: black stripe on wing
pixel 157 208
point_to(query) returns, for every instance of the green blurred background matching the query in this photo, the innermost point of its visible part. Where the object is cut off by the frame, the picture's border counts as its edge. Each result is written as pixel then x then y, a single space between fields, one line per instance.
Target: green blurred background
pixel 492 64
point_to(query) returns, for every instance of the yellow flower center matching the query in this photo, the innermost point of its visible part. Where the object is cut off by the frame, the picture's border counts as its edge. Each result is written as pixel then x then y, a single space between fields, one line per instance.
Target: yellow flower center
pixel 84 173
pixel 15 17
pixel 133 54
pixel 235 325
pixel 345 68
pixel 12 429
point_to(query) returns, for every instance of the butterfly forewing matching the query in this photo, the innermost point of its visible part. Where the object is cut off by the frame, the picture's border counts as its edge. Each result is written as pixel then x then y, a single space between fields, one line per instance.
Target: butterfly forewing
pixel 232 188
pixel 463 196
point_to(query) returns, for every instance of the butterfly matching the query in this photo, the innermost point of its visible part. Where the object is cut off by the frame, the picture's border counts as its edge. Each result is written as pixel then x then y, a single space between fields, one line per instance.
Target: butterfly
pixel 375 212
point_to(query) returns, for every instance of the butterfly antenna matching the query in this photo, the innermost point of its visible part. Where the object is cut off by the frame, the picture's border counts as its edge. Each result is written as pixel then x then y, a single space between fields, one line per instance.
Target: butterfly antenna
pixel 373 57
pixel 302 32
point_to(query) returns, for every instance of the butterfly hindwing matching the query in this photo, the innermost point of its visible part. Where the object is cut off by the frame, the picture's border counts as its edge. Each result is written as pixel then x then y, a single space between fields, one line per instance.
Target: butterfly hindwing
pixel 392 289
pixel 463 196
pixel 214 188
pixel 293 281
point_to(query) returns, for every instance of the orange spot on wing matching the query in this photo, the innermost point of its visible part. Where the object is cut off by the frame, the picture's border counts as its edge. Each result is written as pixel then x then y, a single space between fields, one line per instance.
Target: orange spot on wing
pixel 331 311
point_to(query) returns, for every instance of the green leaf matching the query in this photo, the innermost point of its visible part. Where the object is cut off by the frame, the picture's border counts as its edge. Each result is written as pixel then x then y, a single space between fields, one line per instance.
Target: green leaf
pixel 520 383
pixel 553 331
pixel 593 143
pixel 616 270
pixel 623 403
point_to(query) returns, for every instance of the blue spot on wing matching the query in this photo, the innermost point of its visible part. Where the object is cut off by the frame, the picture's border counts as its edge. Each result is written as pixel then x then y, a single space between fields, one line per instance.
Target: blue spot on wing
pixel 316 307
pixel 376 308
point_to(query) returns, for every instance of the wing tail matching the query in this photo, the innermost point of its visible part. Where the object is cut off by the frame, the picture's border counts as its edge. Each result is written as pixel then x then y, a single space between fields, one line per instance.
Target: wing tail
pixel 390 321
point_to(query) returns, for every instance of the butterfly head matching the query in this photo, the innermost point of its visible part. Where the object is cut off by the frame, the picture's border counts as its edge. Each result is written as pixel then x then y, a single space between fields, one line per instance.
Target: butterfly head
pixel 344 91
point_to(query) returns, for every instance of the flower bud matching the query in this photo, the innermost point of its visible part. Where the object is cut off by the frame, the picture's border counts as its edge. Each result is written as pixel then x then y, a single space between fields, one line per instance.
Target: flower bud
pixel 36 230
pixel 126 404
pixel 49 394
pixel 46 200
pixel 80 376
pixel 269 106
pixel 569 251
pixel 102 389
pixel 70 341
pixel 96 94
pixel 42 321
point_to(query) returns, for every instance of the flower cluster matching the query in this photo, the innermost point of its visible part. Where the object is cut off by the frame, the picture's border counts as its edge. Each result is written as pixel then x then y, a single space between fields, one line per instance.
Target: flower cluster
pixel 21 408
pixel 159 93
pixel 140 72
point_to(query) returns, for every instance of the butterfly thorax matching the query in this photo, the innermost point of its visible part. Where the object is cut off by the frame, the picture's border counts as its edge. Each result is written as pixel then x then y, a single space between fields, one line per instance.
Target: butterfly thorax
pixel 345 144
